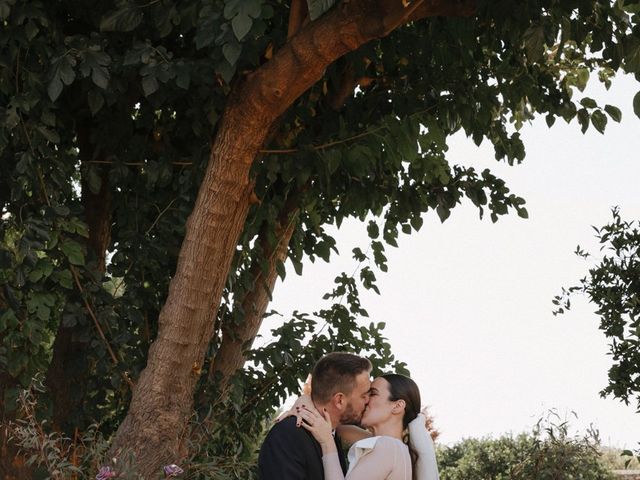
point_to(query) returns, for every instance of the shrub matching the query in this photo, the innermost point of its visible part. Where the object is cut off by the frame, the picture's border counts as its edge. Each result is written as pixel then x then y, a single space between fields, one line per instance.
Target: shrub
pixel 549 452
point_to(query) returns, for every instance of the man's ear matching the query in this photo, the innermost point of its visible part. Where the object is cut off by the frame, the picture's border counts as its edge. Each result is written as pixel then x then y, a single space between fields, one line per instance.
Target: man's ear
pixel 339 401
pixel 399 407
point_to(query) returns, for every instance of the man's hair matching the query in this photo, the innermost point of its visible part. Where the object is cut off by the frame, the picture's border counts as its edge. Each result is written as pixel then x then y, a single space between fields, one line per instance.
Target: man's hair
pixel 336 372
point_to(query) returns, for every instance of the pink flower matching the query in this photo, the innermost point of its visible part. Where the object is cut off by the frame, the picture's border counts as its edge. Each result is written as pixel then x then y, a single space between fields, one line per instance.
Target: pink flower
pixel 105 473
pixel 172 470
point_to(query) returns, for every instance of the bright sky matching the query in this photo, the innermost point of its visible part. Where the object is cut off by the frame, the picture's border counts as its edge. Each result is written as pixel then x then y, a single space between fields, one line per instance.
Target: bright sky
pixel 468 303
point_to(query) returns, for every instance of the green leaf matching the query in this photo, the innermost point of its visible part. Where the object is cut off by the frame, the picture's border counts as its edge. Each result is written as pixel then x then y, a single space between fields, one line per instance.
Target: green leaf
pixel 372 229
pixel 100 76
pixel 31 30
pixel 522 212
pixel 94 180
pixel 534 41
pixel 333 159
pixel 48 118
pixel 225 70
pixel 588 102
pixel 583 78
pixel 636 104
pixel 73 251
pixel 51 135
pixel 149 85
pixel 231 8
pixel 255 9
pixel 66 71
pixel 443 212
pixel 64 278
pixel 599 120
pixel 183 79
pixel 614 113
pixel 632 60
pixel 550 119
pixel 95 100
pixel 125 19
pixel 54 89
pixel 583 119
pixel 5 10
pixel 241 24
pixel 43 312
pixel 318 7
pixel 8 319
pixel 231 52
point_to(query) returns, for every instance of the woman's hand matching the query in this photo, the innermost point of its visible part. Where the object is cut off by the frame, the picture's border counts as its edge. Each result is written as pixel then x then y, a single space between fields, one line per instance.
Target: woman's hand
pixel 320 427
pixel 303 401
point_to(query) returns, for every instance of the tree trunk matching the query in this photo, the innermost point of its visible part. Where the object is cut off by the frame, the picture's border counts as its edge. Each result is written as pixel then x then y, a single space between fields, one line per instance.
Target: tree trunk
pixel 69 368
pixel 155 427
pixel 237 339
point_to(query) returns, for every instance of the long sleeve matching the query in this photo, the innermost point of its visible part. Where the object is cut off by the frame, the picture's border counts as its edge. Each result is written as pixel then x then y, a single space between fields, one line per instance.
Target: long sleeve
pixel 387 459
pixel 420 438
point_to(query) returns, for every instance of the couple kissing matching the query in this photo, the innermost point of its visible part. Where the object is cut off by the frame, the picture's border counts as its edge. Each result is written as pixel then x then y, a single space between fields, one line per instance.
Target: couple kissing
pixel 380 420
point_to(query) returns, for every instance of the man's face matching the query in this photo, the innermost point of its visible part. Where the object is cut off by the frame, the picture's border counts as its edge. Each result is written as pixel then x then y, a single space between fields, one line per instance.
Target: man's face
pixel 357 401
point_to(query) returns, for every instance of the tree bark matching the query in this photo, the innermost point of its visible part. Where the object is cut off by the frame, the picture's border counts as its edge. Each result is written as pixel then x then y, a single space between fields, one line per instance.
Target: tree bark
pixel 69 369
pixel 237 339
pixel 298 16
pixel 155 426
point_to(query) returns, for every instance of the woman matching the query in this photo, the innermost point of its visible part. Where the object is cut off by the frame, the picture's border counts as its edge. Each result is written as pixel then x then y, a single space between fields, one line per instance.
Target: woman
pixel 379 452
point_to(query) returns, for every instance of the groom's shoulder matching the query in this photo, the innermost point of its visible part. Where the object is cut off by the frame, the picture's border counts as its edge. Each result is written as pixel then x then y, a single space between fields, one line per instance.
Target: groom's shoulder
pixel 287 429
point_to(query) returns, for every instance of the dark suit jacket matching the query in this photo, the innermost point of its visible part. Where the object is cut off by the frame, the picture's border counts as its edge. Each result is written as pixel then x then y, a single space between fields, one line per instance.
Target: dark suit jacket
pixel 291 453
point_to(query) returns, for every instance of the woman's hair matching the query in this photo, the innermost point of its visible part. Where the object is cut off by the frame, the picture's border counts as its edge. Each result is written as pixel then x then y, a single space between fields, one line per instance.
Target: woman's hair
pixel 402 387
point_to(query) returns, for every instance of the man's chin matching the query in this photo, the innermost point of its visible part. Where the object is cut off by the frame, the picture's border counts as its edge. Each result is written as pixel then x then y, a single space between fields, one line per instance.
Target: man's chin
pixel 352 421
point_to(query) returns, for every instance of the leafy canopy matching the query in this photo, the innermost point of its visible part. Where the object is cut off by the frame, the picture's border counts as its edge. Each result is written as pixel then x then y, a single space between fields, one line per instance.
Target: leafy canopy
pixel 124 99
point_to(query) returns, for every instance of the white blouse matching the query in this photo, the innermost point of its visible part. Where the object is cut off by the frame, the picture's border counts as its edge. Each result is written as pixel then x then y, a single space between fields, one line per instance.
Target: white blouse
pixel 373 458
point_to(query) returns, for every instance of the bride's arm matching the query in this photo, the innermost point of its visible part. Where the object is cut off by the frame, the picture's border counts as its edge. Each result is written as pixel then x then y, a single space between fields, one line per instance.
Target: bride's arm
pixel 377 464
pixel 303 401
pixel 350 434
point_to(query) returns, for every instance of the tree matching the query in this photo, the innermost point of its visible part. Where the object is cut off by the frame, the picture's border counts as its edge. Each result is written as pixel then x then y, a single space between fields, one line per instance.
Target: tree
pixel 161 160
pixel 613 286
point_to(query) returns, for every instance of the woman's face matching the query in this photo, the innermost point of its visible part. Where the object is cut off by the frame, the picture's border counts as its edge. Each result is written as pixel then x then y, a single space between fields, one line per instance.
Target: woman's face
pixel 379 408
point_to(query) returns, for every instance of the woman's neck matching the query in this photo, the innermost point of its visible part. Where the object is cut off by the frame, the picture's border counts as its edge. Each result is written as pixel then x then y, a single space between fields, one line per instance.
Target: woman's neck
pixel 388 429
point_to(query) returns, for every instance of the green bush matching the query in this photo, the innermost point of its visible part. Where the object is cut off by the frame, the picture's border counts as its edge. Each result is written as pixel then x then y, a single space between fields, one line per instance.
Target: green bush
pixel 549 452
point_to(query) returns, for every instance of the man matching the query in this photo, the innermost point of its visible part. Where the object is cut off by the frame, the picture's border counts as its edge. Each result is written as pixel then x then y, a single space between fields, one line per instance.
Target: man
pixel 340 384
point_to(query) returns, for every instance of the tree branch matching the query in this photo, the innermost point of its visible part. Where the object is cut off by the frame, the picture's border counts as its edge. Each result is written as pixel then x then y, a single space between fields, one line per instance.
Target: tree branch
pixel 230 357
pixel 298 17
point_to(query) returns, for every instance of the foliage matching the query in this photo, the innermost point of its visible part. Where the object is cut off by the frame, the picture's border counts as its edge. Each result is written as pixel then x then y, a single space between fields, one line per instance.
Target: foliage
pixel 548 452
pixel 116 105
pixel 613 285
pixel 617 459
pixel 56 456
